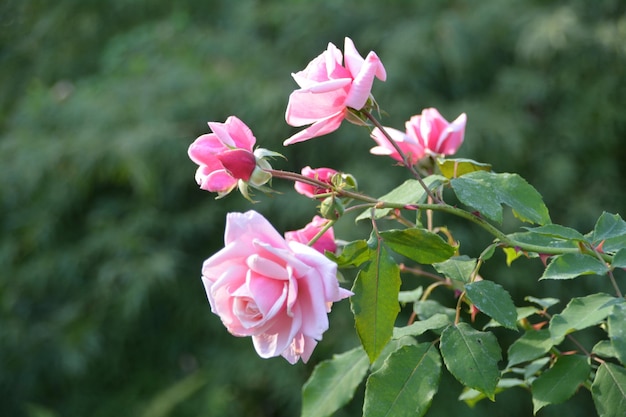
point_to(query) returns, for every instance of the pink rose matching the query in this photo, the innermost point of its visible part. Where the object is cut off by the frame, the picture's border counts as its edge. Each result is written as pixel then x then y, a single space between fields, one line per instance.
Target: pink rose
pixel 410 146
pixel 428 133
pixel 324 175
pixel 328 88
pixel 325 243
pixel 276 291
pixel 225 156
pixel 436 133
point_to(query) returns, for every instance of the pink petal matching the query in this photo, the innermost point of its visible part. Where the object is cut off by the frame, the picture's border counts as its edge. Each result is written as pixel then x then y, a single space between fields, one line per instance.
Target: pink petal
pixel 277 339
pixel 319 128
pixel 362 84
pixel 453 135
pixel 305 107
pixel 267 268
pixel 218 181
pixel 241 133
pixel 328 86
pixel 269 294
pixel 240 163
pixel 300 348
pixel 248 227
pixel 353 60
pixel 204 148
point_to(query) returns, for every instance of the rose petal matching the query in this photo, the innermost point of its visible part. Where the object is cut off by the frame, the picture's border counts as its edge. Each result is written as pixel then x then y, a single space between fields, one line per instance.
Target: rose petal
pixel 319 128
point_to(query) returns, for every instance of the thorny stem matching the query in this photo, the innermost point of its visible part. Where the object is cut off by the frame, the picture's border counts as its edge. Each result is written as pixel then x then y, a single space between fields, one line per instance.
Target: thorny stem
pixel 570 337
pixel 502 238
pixel 405 160
pixel 420 272
pixel 609 273
pixel 459 304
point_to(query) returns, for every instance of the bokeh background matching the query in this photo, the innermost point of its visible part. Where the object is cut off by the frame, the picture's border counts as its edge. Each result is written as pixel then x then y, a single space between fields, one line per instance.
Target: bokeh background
pixel 103 229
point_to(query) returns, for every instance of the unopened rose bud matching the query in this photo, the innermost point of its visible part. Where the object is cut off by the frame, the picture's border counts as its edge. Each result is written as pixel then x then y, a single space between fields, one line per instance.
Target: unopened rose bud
pixel 331 208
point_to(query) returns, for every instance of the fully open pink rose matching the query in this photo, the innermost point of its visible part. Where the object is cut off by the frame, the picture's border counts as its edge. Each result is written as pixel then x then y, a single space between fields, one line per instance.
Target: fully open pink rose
pixel 275 291
pixel 426 134
pixel 325 243
pixel 328 88
pixel 225 156
pixel 324 175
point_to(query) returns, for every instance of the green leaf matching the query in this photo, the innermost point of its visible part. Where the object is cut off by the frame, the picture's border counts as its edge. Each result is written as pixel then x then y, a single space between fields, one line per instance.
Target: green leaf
pixel 560 382
pixel 581 313
pixel 405 297
pixel 572 265
pixel 354 254
pixel 531 369
pixel 459 268
pixel 420 245
pixel 522 313
pixel 511 255
pixel 472 357
pixel 604 349
pixel 392 346
pixel 406 383
pixel 409 192
pixel 617 331
pixel 333 382
pixel 619 260
pixel 438 321
pixel 485 192
pixel 493 300
pixel 530 346
pixel 479 195
pixel 375 301
pixel 610 229
pixel 471 397
pixel 454 168
pixel 559 232
pixel 544 303
pixel 538 239
pixel 428 308
pixel 609 390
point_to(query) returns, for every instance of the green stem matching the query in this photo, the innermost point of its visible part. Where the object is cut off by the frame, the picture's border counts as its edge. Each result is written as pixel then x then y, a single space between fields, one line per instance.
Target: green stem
pixel 323 230
pixel 405 159
pixel 503 239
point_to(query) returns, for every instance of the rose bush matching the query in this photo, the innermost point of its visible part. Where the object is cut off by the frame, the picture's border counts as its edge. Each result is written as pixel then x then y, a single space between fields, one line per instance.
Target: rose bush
pixel 276 291
pixel 328 89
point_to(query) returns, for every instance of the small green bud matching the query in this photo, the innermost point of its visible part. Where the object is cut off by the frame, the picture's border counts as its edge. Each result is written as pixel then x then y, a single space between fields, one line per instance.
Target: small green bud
pixel 331 208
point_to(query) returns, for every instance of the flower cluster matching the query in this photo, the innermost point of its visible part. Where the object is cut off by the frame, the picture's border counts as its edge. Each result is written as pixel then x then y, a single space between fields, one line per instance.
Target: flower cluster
pixel 276 289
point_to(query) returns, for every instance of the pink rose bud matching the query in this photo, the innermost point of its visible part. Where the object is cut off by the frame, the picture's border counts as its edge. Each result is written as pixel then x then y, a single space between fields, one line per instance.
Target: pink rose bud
pixel 328 89
pixel 238 162
pixel 278 292
pixel 325 243
pixel 324 175
pixel 225 158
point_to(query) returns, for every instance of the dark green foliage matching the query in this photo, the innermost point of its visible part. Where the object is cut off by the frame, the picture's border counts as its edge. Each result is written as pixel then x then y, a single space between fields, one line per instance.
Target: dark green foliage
pixel 103 230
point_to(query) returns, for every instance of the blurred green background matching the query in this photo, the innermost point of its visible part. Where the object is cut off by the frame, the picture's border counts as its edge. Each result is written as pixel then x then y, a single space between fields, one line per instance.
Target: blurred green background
pixel 103 229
